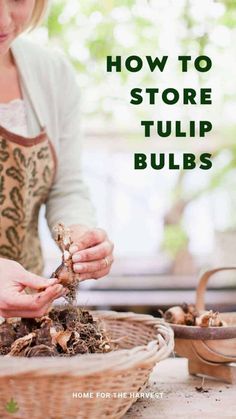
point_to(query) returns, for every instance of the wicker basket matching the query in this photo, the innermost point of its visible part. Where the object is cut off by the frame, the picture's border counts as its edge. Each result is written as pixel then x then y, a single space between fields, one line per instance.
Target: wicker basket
pixel 53 387
pixel 210 350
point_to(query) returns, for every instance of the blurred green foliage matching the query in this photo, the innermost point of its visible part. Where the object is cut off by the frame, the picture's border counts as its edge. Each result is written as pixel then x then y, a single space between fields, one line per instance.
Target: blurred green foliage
pixel 89 30
pixel 175 240
pixel 102 18
pixel 229 17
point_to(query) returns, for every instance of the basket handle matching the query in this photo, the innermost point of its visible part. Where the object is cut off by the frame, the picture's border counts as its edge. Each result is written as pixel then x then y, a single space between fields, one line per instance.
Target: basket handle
pixel 201 288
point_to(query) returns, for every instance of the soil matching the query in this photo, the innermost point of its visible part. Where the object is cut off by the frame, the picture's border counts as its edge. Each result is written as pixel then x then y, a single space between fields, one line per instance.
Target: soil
pixel 66 331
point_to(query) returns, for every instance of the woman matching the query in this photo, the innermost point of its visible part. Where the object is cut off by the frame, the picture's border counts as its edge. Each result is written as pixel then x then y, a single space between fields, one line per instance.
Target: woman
pixel 39 163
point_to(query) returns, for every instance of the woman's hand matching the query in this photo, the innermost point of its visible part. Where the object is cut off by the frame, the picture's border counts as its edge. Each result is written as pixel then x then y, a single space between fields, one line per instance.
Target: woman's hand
pixel 14 302
pixel 92 252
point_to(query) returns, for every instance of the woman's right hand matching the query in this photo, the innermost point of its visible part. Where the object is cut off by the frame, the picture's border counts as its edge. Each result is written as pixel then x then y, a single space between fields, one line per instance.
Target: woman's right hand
pixel 14 302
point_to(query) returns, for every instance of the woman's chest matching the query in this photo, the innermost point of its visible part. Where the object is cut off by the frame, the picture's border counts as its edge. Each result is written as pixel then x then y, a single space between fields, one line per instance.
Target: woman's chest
pixel 9 85
pixel 13 116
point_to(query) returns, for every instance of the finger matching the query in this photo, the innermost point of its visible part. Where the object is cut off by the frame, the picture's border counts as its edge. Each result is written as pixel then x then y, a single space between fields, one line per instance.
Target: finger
pixel 33 301
pixel 94 253
pixel 88 267
pixel 36 282
pixel 88 239
pixel 26 313
pixel 94 275
pixel 30 313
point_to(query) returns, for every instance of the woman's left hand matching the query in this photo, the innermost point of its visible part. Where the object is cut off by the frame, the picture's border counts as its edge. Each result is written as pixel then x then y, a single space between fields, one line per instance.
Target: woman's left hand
pixel 92 252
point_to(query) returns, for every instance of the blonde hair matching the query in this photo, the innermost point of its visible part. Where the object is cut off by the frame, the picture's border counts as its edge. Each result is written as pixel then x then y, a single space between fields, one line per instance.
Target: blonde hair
pixel 39 12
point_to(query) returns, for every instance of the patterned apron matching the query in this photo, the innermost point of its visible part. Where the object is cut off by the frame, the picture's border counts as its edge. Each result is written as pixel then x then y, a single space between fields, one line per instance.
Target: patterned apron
pixel 27 170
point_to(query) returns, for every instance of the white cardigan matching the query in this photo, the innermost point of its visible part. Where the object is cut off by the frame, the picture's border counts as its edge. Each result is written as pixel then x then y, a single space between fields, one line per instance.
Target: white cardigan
pixel 51 96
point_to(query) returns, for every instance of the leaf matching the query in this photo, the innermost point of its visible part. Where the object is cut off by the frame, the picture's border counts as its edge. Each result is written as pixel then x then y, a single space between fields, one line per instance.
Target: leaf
pixel 19 158
pixel 3 155
pixel 12 406
pixel 3 144
pixel 42 153
pixel 16 198
pixel 7 252
pixel 3 150
pixel 2 181
pixel 15 174
pixel 12 236
pixel 12 214
pixel 34 171
pixel 47 175
pixel 31 173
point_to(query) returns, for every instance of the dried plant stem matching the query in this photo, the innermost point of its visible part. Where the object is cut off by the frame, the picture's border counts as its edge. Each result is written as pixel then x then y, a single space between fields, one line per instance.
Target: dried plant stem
pixel 63 239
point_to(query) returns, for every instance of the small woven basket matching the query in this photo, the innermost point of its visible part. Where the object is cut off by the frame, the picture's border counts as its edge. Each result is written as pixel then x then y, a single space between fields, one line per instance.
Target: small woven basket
pixel 87 386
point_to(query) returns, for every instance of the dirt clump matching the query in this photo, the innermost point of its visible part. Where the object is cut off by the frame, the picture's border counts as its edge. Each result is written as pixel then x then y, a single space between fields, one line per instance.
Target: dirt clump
pixel 66 331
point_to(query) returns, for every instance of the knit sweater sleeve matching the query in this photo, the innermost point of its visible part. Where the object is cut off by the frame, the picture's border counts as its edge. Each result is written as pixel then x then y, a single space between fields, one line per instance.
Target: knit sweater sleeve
pixel 69 198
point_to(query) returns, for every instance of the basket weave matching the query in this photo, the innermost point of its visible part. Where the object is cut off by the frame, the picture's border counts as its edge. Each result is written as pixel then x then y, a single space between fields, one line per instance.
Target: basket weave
pixel 44 387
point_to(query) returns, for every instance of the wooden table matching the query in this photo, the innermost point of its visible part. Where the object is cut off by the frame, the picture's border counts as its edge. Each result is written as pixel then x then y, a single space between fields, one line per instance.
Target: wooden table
pixel 180 399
